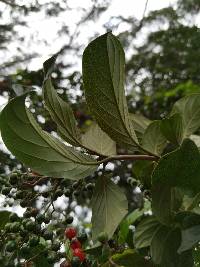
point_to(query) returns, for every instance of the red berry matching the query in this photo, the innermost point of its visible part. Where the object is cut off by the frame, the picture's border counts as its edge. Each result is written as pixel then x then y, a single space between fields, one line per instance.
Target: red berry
pixel 70 232
pixel 77 252
pixel 75 244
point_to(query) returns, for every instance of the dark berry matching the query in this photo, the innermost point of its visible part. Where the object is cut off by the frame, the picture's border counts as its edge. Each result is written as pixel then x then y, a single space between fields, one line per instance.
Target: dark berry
pixel 13 217
pixel 48 235
pixel 69 220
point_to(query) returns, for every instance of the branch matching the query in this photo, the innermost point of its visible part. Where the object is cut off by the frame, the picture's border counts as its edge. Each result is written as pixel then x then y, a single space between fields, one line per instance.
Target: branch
pixel 129 157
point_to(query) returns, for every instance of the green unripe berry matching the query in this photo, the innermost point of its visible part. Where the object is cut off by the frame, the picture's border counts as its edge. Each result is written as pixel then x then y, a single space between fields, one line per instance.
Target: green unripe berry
pixel 40 218
pixel 6 190
pixel 25 249
pixel 67 192
pixel 55 246
pixel 34 241
pixel 13 179
pixel 48 235
pixel 52 257
pixel 15 227
pixel 7 227
pixel 90 186
pixel 23 203
pixel 11 246
pixel 30 226
pixel 19 194
pixel 75 262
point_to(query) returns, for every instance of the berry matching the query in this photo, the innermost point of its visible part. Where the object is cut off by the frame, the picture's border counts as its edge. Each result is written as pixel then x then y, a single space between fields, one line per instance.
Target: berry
pixel 25 249
pixel 70 232
pixel 33 241
pixel 13 179
pixel 55 246
pixel 51 258
pixel 15 227
pixel 82 237
pixel 11 246
pixel 79 253
pixel 6 190
pixel 40 218
pixel 67 192
pixel 102 237
pixel 65 264
pixel 75 244
pixel 48 235
pixel 75 262
pixel 30 226
pixel 69 220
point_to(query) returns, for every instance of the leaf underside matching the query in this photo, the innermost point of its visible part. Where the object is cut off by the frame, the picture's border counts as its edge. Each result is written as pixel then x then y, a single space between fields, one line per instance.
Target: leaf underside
pixel 37 149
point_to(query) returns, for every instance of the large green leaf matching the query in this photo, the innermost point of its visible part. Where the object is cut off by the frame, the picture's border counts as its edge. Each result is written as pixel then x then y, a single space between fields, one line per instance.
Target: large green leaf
pixel 180 167
pixel 164 248
pixel 189 108
pixel 60 111
pixel 145 231
pixel 190 237
pixel 109 206
pixel 4 218
pixel 131 258
pixel 172 128
pixel 165 202
pixel 153 140
pixel 103 78
pixel 97 140
pixel 37 149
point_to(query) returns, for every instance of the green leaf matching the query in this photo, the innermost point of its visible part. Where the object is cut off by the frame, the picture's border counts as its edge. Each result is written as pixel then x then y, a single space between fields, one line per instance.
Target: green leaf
pixel 172 128
pixel 145 231
pixel 153 139
pixel 143 170
pixel 180 167
pixel 140 123
pixel 130 219
pixel 164 245
pixel 165 202
pixel 60 111
pixel 4 218
pixel 103 78
pixel 109 206
pixel 190 237
pixel 189 108
pixel 97 140
pixel 37 149
pixel 131 258
pixel 196 139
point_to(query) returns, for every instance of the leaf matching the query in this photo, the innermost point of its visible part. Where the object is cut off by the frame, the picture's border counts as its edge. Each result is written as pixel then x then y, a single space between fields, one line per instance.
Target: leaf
pixel 97 140
pixel 60 111
pixel 143 170
pixel 190 237
pixel 4 218
pixel 109 206
pixel 37 149
pixel 131 258
pixel 189 108
pixel 164 245
pixel 140 123
pixel 172 128
pixel 130 219
pixel 145 231
pixel 180 168
pixel 153 139
pixel 196 139
pixel 165 202
pixel 103 78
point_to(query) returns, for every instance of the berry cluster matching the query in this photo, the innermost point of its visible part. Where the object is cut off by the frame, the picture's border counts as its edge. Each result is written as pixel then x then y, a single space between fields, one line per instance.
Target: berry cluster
pixel 78 257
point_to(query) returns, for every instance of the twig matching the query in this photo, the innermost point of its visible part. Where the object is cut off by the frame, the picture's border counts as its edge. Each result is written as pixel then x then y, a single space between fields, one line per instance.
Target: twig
pixel 129 157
